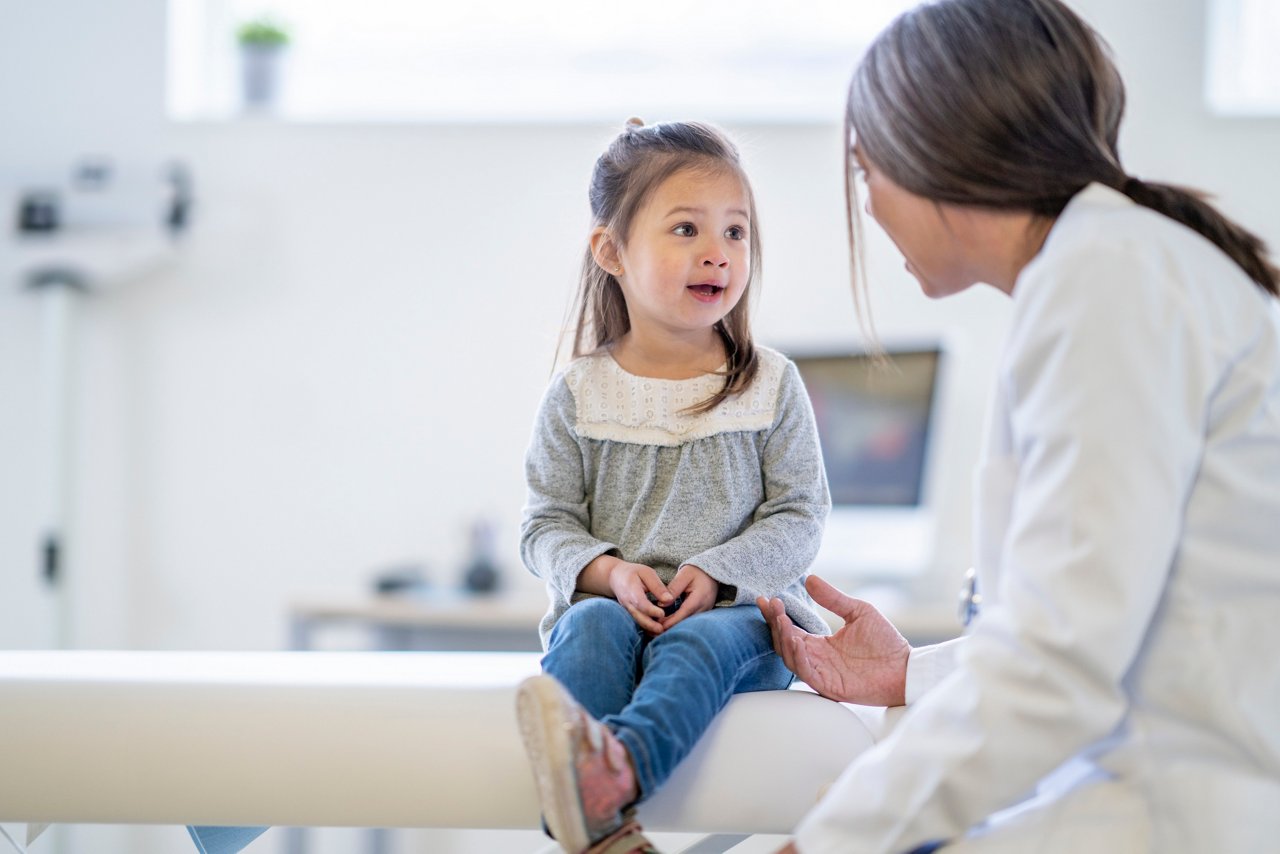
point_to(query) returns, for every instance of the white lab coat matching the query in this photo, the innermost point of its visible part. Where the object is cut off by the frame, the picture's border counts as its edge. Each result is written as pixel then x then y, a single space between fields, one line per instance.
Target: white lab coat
pixel 1120 691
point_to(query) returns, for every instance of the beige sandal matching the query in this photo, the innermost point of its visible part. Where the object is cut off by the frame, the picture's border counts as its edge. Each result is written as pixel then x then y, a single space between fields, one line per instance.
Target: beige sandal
pixel 583 774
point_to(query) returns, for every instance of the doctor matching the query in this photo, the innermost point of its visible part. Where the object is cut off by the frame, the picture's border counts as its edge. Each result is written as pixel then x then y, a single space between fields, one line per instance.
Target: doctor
pixel 1119 690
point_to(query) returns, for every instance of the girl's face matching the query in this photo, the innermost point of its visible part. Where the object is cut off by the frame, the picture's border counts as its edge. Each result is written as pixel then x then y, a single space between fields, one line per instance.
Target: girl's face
pixel 687 257
pixel 926 236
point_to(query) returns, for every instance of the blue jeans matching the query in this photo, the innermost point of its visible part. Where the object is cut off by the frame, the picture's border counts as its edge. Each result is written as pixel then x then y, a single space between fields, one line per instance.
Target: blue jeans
pixel 659 694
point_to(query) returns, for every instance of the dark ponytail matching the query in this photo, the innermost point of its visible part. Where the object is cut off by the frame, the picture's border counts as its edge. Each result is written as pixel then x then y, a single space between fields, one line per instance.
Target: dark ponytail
pixel 1012 105
pixel 1192 209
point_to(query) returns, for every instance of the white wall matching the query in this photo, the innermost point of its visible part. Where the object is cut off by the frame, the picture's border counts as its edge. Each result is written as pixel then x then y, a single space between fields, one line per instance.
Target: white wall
pixel 340 371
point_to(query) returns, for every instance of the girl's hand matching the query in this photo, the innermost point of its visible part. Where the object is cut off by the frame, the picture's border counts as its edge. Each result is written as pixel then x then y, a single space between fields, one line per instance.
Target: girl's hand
pixel 698 589
pixel 630 584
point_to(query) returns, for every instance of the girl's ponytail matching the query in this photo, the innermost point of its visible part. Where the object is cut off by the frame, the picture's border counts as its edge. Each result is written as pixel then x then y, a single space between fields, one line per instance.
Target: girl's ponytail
pixel 1192 209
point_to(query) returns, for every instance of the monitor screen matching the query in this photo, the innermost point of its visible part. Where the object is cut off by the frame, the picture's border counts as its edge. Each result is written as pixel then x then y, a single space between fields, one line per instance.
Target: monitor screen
pixel 873 423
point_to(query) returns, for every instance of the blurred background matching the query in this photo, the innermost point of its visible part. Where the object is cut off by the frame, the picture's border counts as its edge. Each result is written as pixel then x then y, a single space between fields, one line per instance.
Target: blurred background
pixel 282 288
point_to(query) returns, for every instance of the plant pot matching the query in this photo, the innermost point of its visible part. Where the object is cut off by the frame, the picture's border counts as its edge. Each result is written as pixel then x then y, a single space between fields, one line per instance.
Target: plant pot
pixel 260 75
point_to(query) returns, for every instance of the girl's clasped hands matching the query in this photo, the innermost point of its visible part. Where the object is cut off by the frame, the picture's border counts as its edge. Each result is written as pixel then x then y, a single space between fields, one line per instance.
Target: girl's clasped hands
pixel 655 606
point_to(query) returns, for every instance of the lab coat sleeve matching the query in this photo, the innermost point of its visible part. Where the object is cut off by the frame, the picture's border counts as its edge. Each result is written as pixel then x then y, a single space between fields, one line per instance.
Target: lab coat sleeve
pixel 929 665
pixel 1107 384
pixel 556 543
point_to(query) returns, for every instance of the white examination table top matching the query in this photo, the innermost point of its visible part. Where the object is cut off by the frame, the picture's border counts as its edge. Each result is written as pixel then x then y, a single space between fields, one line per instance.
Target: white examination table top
pixel 385 739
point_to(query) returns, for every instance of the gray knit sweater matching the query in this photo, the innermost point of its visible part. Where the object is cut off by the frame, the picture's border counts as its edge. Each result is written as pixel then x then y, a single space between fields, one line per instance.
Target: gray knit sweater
pixel 615 466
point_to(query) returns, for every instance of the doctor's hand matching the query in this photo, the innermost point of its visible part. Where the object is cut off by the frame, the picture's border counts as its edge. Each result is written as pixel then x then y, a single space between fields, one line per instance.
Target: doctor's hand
pixel 865 662
pixel 699 592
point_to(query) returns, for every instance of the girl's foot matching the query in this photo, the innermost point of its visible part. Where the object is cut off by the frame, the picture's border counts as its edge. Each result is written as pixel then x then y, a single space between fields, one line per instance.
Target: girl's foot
pixel 583 773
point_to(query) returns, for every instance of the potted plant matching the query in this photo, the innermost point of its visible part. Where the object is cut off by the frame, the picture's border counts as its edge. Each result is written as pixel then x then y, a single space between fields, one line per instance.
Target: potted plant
pixel 262 42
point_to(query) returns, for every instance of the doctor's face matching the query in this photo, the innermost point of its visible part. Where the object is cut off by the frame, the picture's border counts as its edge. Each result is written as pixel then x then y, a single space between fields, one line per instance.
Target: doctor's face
pixel 922 230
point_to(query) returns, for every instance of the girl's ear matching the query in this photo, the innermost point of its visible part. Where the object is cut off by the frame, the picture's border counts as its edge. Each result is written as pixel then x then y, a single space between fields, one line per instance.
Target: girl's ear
pixel 605 250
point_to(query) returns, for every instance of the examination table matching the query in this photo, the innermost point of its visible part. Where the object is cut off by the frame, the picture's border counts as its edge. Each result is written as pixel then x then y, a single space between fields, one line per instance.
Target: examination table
pixel 382 739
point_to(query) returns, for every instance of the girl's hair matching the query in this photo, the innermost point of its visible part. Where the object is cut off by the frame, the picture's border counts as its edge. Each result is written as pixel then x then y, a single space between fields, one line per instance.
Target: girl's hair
pixel 1009 104
pixel 625 177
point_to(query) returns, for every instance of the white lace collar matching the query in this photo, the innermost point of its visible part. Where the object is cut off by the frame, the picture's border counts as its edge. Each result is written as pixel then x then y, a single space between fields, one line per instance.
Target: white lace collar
pixel 622 407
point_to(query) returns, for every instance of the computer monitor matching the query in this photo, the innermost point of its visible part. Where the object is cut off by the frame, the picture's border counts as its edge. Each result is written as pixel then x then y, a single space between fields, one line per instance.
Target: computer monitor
pixel 876 423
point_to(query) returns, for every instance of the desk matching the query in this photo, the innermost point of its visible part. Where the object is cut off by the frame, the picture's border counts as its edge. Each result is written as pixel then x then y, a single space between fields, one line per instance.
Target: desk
pixel 447 621
pixel 508 622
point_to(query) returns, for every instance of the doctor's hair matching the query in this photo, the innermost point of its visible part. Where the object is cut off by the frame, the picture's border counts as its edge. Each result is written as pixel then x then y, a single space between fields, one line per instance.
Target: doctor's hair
pixel 1008 105
pixel 625 177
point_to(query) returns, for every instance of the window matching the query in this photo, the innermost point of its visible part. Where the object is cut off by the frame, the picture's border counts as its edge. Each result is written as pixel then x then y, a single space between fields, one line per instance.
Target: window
pixel 1243 57
pixel 558 60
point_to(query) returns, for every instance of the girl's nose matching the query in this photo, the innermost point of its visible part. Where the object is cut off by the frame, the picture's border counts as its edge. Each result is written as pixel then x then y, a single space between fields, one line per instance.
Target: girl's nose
pixel 715 256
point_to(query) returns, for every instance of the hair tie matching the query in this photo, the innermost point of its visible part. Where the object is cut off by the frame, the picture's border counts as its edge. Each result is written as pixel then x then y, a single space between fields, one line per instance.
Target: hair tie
pixel 634 123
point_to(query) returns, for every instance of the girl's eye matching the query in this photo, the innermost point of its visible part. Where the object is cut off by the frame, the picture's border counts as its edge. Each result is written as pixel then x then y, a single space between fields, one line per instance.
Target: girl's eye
pixel 684 229
pixel 736 232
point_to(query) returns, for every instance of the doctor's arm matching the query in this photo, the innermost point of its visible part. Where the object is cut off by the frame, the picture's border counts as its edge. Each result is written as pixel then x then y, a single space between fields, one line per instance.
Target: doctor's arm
pixel 1106 391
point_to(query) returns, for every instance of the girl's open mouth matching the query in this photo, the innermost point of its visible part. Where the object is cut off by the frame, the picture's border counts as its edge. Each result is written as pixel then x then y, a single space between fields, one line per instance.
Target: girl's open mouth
pixel 706 291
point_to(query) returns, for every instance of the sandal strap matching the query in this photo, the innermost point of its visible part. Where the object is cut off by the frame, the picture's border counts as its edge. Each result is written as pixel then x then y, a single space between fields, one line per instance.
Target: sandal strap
pixel 632 842
pixel 627 839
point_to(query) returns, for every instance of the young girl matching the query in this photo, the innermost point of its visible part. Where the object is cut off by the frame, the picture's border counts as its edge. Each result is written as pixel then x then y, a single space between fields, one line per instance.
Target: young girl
pixel 674 475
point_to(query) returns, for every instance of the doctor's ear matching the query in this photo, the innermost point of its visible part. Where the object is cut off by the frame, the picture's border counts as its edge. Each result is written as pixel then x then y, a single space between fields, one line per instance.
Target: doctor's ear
pixel 605 250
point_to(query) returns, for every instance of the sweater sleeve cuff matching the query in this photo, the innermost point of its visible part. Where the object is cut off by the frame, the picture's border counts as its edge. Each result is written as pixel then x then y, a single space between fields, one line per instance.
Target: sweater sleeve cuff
pixel 573 567
pixel 929 665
